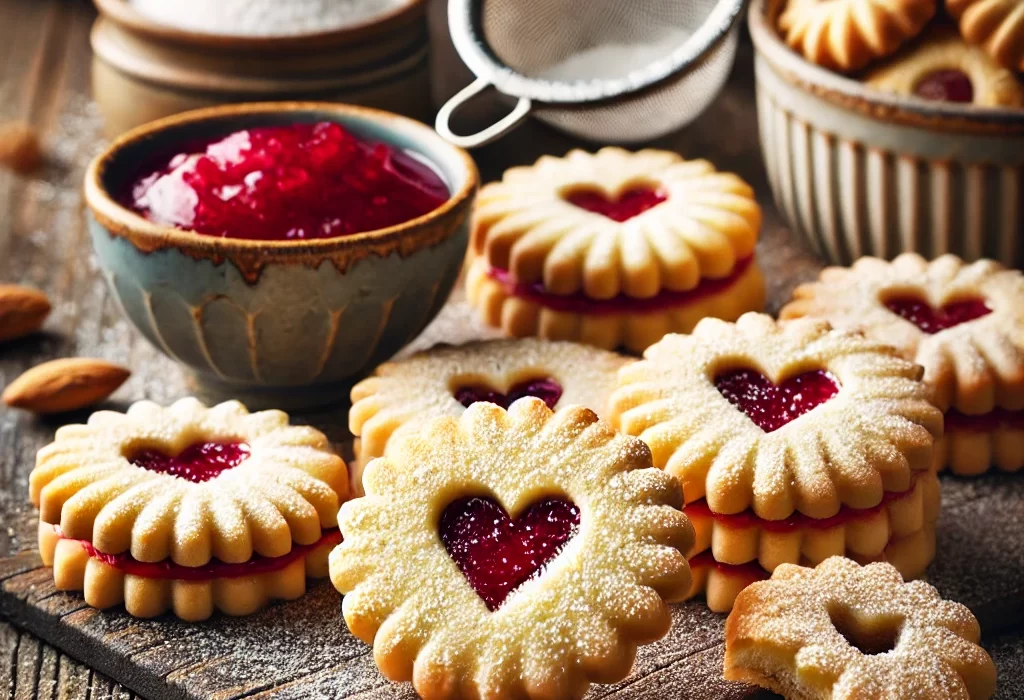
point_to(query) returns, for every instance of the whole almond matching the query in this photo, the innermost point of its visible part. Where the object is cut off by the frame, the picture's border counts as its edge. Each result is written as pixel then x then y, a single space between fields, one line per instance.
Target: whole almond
pixel 22 311
pixel 19 147
pixel 64 385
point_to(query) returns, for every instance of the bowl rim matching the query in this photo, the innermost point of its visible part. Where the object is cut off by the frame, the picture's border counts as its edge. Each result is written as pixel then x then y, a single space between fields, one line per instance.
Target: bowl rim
pixel 124 15
pixel 148 236
pixel 853 94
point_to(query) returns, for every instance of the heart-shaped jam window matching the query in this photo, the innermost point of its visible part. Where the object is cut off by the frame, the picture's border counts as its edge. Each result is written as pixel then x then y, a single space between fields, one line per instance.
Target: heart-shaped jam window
pixel 547 390
pixel 197 463
pixel 632 202
pixel 770 405
pixel 946 86
pixel 932 320
pixel 497 554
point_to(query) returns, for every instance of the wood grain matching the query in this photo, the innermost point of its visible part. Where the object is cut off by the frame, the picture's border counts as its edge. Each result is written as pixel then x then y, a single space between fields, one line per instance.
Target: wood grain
pixel 302 650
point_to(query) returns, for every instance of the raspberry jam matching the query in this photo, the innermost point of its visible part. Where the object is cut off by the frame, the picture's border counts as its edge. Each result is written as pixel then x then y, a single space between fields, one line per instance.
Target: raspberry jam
pixel 700 510
pixel 290 182
pixel 984 422
pixel 772 406
pixel 931 320
pixel 945 85
pixel 547 390
pixel 580 303
pixel 750 571
pixel 199 462
pixel 215 569
pixel 497 554
pixel 632 202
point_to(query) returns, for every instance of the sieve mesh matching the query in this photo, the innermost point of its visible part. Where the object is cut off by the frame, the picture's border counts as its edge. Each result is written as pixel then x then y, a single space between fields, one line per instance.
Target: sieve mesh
pixel 609 70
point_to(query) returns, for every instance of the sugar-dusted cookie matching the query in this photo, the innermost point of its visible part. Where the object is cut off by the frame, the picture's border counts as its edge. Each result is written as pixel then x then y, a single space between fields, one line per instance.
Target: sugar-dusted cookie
pixel 846 35
pixel 996 25
pixel 964 323
pixel 614 248
pixel 187 508
pixel 445 380
pixel 843 631
pixel 793 443
pixel 941 66
pixel 517 554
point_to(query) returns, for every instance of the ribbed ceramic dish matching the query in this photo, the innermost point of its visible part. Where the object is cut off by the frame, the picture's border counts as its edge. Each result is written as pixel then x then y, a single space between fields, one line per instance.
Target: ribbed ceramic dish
pixel 144 71
pixel 859 172
pixel 283 323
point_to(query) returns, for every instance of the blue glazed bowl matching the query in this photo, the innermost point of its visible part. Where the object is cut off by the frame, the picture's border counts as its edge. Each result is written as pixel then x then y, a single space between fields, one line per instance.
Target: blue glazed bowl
pixel 280 320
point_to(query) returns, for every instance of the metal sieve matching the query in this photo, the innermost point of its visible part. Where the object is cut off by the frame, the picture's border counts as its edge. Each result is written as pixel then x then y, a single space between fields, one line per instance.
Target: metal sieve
pixel 604 70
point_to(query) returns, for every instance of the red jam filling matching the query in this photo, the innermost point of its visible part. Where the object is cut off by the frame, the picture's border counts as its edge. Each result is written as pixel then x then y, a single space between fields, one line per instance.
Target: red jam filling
pixel 772 406
pixel 751 570
pixel 630 203
pixel 796 521
pixel 497 554
pixel 945 85
pixel 932 320
pixel 215 569
pixel 547 390
pixel 289 182
pixel 985 422
pixel 580 303
pixel 199 462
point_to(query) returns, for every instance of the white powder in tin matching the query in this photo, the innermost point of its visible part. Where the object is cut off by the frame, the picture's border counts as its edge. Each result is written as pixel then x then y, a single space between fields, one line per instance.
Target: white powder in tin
pixel 263 17
pixel 613 60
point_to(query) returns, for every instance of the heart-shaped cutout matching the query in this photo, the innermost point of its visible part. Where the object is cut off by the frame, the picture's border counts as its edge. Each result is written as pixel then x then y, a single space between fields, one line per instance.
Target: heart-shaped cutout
pixel 772 406
pixel 497 554
pixel 630 203
pixel 197 463
pixel 932 320
pixel 547 390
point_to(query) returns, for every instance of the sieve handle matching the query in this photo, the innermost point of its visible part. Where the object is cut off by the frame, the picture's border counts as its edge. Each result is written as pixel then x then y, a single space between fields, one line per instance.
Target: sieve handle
pixel 484 136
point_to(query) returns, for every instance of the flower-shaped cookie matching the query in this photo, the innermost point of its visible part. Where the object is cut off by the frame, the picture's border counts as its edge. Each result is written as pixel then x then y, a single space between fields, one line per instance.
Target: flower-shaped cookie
pixel 464 600
pixel 182 506
pixel 963 322
pixel 942 67
pixel 844 631
pixel 845 35
pixel 997 25
pixel 613 248
pixel 445 380
pixel 779 417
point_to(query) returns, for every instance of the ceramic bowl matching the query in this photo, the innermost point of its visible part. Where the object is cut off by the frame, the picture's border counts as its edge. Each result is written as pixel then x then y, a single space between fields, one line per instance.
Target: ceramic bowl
pixel 859 172
pixel 284 320
pixel 143 71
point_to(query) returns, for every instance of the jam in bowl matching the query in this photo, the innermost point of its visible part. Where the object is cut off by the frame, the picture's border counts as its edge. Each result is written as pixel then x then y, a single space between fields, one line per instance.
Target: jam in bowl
pixel 276 249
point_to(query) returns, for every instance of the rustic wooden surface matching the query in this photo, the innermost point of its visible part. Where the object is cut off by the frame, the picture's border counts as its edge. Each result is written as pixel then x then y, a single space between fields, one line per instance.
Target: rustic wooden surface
pixel 301 650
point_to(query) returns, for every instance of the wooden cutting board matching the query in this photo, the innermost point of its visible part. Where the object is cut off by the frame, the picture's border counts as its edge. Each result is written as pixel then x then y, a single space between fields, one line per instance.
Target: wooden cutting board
pixel 303 649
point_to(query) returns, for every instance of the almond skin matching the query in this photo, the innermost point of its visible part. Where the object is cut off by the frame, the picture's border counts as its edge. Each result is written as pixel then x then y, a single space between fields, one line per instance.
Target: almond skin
pixel 64 385
pixel 22 311
pixel 19 147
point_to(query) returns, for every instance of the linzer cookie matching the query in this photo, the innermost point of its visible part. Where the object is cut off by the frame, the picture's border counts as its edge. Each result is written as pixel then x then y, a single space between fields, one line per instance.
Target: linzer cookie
pixel 793 443
pixel 446 380
pixel 614 248
pixel 512 554
pixel 187 509
pixel 846 35
pixel 941 66
pixel 842 631
pixel 964 323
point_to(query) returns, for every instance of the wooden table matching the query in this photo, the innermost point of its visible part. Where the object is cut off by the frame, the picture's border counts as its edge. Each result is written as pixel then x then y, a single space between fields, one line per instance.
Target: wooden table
pixel 44 78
